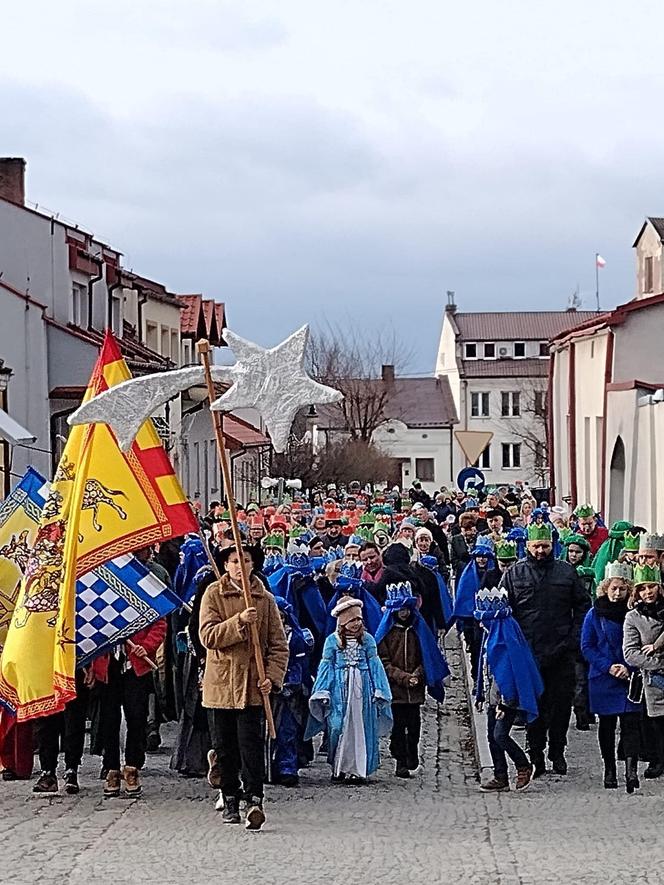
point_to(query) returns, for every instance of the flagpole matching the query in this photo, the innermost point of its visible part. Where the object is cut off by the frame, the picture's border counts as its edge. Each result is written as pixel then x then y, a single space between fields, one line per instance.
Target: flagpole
pixel 597 280
pixel 203 347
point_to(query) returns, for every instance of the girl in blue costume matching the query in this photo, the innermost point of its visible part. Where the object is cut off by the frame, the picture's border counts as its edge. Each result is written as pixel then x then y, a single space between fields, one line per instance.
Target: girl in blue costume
pixel 349 583
pixel 351 697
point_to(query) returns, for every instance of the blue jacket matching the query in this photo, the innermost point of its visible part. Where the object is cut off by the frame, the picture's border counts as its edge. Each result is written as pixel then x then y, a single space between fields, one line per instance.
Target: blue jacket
pixel 601 645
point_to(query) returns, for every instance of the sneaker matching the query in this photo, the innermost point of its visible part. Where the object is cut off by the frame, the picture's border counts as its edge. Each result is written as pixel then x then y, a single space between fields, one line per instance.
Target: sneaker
pixel 495 785
pixel 112 783
pixel 559 765
pixel 214 772
pixel 47 783
pixel 338 778
pixel 401 771
pixel 523 777
pixel 219 804
pixel 255 814
pixel 132 781
pixel 71 782
pixel 231 810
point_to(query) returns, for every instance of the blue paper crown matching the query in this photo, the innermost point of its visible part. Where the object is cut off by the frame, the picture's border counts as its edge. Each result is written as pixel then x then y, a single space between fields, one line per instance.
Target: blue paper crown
pixel 483 547
pixel 355 540
pixel 350 576
pixel 429 561
pixel 399 596
pixel 300 561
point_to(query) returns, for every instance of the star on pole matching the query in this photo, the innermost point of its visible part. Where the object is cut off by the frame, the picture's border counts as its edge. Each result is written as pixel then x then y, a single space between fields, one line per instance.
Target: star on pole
pixel 274 382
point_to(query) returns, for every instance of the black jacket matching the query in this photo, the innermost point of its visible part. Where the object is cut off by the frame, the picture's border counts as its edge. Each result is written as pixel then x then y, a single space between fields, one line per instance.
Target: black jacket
pixel 549 601
pixel 439 537
pixel 459 554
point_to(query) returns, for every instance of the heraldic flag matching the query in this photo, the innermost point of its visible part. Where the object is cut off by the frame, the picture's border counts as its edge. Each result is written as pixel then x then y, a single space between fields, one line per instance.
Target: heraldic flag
pixel 102 503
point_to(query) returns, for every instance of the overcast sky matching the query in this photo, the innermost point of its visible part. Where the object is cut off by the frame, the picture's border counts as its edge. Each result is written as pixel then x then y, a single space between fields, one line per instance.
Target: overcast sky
pixel 349 160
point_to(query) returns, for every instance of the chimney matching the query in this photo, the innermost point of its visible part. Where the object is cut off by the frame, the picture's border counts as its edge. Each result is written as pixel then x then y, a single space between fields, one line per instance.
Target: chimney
pixel 450 307
pixel 387 374
pixel 12 179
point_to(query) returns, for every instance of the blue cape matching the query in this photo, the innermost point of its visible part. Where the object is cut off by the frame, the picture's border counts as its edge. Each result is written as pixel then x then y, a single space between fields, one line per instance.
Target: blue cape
pixel 433 660
pixel 371 610
pixel 469 584
pixel 510 661
pixel 446 603
pixel 192 558
pixel 307 596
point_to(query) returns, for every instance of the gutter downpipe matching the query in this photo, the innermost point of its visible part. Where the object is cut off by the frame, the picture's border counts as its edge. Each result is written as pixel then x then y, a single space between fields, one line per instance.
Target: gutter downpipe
pixel 91 282
pixel 608 377
pixel 572 423
pixel 550 449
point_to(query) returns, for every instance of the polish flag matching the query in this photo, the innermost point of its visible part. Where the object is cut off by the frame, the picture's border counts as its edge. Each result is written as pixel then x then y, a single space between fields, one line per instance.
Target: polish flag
pixel 600 261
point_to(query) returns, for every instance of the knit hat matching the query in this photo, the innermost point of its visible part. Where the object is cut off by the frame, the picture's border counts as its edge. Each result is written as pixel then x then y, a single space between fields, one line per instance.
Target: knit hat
pixel 423 532
pixel 622 570
pixel 579 540
pixel 647 574
pixel 347 609
pixel 539 531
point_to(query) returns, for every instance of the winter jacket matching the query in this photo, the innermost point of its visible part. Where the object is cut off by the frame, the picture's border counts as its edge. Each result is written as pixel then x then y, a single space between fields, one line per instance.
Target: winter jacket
pixel 150 638
pixel 230 680
pixel 401 656
pixel 459 554
pixel 597 538
pixel 601 645
pixel 641 629
pixel 549 602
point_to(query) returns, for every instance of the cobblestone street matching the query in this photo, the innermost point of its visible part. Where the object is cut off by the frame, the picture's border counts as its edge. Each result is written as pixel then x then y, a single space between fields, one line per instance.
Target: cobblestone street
pixel 434 828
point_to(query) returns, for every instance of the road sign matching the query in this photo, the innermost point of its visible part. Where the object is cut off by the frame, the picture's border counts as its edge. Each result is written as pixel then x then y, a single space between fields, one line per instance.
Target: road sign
pixel 470 478
pixel 473 442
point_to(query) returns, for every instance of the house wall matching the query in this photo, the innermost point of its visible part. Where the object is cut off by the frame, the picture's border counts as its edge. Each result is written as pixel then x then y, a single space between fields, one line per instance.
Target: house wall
pixel 410 443
pixel 639 353
pixel 650 245
pixel 590 367
pixel 447 360
pixel 559 405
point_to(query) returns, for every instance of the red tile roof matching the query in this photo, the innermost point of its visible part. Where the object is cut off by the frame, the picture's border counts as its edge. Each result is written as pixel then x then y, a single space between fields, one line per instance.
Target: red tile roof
pixel 242 435
pixel 191 306
pixel 528 368
pixel 534 325
pixel 200 317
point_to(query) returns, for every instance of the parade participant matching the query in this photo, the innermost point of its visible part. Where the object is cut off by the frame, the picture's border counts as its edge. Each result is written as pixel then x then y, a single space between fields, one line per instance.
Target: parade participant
pixel 352 548
pixel 289 705
pixel 274 550
pixel 296 582
pixel 508 681
pixel 316 547
pixel 495 507
pixel 495 522
pixel 651 549
pixel 426 546
pixel 349 583
pixel 630 550
pixel 425 520
pixel 412 661
pixel 446 603
pixel 406 532
pixel 643 631
pixel 351 697
pixel 608 682
pixel 549 602
pixel 610 549
pixel 588 526
pixel 333 536
pixel 232 692
pixel 463 543
pixel 576 551
pixel 417 495
pixel 528 504
pixel 482 560
pixel 372 565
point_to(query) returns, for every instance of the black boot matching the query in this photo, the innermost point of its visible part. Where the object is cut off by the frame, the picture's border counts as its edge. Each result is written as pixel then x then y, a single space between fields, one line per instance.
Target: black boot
pixel 539 765
pixel 231 812
pixel 654 769
pixel 632 774
pixel 610 778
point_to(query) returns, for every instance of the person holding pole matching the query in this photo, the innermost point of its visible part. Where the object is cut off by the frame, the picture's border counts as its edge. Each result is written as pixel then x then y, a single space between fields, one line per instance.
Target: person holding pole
pixel 234 692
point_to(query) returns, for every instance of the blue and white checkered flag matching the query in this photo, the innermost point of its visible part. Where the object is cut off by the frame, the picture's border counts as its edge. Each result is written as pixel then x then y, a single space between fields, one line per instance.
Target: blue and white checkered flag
pixel 114 602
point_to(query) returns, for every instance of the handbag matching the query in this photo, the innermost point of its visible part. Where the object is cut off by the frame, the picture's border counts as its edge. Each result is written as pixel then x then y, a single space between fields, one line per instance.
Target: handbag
pixel 635 689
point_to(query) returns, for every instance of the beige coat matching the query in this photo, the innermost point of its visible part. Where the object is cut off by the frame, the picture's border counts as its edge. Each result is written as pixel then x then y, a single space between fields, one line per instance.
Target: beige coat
pixel 230 681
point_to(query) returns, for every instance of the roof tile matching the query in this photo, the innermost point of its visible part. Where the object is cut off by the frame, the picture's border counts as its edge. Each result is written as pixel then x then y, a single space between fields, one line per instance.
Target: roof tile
pixel 535 325
pixel 528 368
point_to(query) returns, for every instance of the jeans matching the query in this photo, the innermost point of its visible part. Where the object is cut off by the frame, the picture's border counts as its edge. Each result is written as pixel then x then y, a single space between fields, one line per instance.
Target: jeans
pixel 630 729
pixel 70 724
pixel 502 744
pixel 405 740
pixel 129 693
pixel 555 707
pixel 238 738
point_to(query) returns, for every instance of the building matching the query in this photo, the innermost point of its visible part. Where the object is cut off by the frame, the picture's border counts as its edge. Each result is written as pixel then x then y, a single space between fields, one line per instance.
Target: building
pixel 60 288
pixel 416 417
pixel 497 366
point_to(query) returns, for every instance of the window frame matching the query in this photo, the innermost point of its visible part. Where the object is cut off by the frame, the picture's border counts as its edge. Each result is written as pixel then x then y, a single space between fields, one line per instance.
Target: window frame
pixel 484 460
pixel 511 449
pixel 523 356
pixel 466 345
pixel 544 345
pixel 481 394
pixel 510 404
pixel 430 475
pixel 489 344
pixel 648 274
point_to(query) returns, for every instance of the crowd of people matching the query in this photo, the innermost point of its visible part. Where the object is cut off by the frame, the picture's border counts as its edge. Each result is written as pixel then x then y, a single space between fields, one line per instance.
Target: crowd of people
pixel 352 592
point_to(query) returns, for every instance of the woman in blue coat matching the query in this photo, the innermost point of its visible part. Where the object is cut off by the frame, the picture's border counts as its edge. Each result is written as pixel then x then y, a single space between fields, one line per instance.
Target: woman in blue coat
pixel 608 676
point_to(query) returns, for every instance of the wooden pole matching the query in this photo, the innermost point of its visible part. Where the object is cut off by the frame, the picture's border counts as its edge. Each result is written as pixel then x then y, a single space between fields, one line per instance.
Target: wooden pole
pixel 203 347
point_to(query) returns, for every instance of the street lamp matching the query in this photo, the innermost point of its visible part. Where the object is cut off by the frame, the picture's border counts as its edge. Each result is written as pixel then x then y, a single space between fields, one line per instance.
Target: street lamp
pixel 5 374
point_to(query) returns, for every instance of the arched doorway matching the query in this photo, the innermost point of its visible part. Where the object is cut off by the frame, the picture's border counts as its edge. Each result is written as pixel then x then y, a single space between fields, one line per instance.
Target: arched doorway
pixel 617 482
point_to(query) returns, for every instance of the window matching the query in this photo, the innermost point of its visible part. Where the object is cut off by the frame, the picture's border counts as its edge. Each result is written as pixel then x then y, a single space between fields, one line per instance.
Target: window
pixel 519 350
pixel 165 341
pixel 539 403
pixel 511 455
pixel 540 454
pixel 544 348
pixel 151 336
pixel 510 404
pixel 116 315
pixel 79 305
pixel 648 282
pixel 175 347
pixel 186 352
pixel 424 469
pixel 471 351
pixel 479 405
pixel 490 350
pixel 484 460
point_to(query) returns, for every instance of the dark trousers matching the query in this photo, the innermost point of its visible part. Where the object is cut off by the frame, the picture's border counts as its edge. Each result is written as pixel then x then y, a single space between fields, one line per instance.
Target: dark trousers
pixel 555 707
pixel 70 724
pixel 581 687
pixel 630 735
pixel 502 744
pixel 405 740
pixel 652 745
pixel 472 634
pixel 238 738
pixel 128 693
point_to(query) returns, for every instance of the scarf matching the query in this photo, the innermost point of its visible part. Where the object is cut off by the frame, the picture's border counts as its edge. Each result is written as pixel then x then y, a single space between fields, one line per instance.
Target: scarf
pixel 612 611
pixel 433 660
pixel 654 610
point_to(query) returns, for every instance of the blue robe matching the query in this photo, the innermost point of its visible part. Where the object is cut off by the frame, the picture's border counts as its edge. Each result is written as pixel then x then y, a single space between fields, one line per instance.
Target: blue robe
pixel 193 557
pixel 328 700
pixel 446 603
pixel 601 646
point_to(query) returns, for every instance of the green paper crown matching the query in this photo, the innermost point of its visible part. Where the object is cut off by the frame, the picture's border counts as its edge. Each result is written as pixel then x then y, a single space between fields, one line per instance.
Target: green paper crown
pixel 539 531
pixel 583 511
pixel 365 532
pixel 274 540
pixel 631 542
pixel 296 531
pixel 563 533
pixel 647 574
pixel 506 549
pixel 367 519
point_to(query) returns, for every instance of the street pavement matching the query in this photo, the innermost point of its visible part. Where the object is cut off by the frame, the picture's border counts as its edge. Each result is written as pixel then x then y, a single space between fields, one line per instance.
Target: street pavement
pixel 434 828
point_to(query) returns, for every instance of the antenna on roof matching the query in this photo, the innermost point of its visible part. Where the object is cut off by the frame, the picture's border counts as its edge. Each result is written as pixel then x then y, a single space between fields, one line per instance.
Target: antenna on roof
pixel 574 300
pixel 451 304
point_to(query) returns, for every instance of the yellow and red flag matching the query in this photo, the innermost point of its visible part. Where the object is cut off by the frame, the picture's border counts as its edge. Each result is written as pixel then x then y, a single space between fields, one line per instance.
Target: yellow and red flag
pixel 102 503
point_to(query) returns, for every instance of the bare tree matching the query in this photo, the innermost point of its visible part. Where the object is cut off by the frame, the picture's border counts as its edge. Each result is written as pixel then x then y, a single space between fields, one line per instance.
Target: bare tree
pixel 343 461
pixel 531 426
pixel 352 361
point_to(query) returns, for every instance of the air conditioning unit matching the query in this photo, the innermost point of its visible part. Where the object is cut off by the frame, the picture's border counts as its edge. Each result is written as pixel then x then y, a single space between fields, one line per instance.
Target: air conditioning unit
pixel 503 351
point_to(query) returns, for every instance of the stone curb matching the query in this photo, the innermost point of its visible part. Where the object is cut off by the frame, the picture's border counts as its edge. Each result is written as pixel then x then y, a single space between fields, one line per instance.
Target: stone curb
pixel 483 761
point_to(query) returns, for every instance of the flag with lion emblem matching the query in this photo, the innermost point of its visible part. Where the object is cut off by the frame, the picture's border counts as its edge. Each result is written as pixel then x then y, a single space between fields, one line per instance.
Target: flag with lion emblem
pixel 102 503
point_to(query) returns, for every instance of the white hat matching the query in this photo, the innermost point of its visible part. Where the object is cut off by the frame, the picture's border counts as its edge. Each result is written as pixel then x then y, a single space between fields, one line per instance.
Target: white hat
pixel 342 611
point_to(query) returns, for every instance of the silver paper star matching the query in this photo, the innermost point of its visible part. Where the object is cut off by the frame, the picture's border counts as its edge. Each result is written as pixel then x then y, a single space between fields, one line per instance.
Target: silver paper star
pixel 274 382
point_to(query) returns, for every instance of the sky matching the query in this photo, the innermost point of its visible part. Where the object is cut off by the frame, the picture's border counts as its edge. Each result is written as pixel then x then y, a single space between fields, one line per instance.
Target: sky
pixel 346 162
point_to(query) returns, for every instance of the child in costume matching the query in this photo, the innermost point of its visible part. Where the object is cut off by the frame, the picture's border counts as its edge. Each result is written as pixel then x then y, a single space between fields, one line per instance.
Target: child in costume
pixel 351 697
pixel 482 560
pixel 413 662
